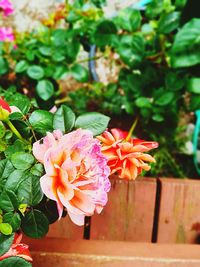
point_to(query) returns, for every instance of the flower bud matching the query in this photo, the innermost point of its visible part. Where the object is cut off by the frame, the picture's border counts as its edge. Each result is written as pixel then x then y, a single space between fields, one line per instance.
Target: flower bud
pixel 4 110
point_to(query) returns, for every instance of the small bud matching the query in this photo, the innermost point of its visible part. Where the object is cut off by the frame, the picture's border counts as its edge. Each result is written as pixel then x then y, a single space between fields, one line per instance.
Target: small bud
pixel 4 110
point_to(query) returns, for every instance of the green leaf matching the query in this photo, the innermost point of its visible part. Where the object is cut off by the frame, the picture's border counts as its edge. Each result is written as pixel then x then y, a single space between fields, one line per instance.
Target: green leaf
pixel 20 101
pixel 5 244
pixel 193 85
pixel 2 130
pixel 8 201
pixel 71 49
pixel 104 33
pixel 59 72
pixel 129 19
pixel 45 89
pixel 15 261
pixel 35 224
pixel 14 179
pixel 64 119
pixel 21 66
pixel 186 47
pixel 173 81
pixel 22 160
pixel 42 121
pixel 35 72
pixel 154 8
pixel 3 66
pixel 30 55
pixel 13 219
pixel 131 49
pixel 16 116
pixel 143 102
pixel 158 118
pixel 6 228
pixel 194 102
pixel 37 170
pixel 6 168
pixel 93 121
pixel 164 99
pixel 45 50
pixel 58 56
pixel 169 22
pixel 80 73
pixel 29 191
pixel 180 3
pixel 58 37
pixel 18 146
pixel 49 208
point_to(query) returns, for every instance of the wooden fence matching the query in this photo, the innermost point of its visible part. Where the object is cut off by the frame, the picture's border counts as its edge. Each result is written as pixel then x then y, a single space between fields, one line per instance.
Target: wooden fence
pixel 160 210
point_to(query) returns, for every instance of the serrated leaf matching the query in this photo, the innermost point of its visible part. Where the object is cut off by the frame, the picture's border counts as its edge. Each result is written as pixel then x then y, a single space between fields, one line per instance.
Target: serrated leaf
pixel 22 160
pixel 37 170
pixel 18 146
pixel 186 47
pixel 6 168
pixel 129 19
pixel 29 191
pixel 45 89
pixel 15 261
pixel 93 121
pixel 42 121
pixel 64 119
pixel 8 201
pixel 13 219
pixel 20 101
pixel 104 33
pixel 35 224
pixel 131 49
pixel 14 180
pixel 5 244
pixel 169 22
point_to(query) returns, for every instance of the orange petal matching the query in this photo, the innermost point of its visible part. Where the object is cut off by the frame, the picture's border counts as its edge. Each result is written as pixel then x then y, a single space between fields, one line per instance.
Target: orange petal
pixel 83 202
pixel 147 157
pixel 119 134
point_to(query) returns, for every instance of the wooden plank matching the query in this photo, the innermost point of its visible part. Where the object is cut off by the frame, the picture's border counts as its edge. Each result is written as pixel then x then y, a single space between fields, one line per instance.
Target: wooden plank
pixel 179 213
pixel 52 252
pixel 65 228
pixel 129 212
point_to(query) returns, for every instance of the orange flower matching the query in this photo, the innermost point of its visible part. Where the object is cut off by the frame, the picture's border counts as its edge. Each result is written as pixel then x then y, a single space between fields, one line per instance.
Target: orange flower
pixel 18 249
pixel 126 157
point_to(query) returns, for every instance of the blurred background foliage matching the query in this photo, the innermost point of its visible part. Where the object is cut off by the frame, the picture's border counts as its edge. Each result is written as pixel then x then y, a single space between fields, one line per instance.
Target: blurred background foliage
pixel 143 64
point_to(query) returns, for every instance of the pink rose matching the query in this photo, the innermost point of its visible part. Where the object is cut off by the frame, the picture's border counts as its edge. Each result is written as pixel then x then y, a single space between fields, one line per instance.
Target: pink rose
pixel 6 34
pixel 76 173
pixel 7 7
